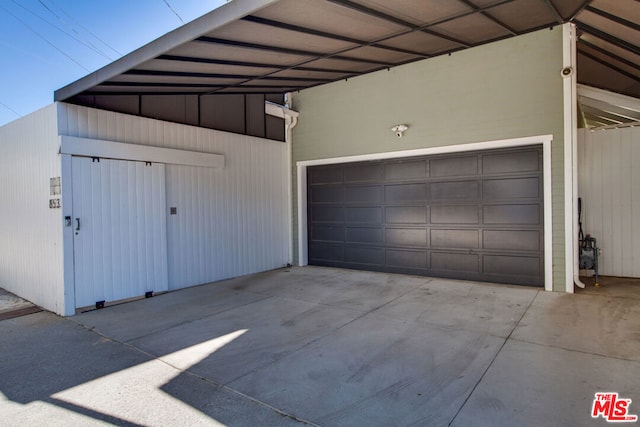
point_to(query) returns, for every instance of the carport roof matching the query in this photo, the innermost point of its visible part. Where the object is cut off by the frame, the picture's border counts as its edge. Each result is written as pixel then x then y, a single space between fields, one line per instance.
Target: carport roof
pixel 278 46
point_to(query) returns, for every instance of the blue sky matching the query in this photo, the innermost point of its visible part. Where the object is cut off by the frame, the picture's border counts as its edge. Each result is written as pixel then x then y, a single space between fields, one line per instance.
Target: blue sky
pixel 47 44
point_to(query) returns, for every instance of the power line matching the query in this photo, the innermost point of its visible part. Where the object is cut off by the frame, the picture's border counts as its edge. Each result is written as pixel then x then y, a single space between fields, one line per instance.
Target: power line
pixel 172 10
pixel 55 27
pixel 74 21
pixel 10 109
pixel 45 39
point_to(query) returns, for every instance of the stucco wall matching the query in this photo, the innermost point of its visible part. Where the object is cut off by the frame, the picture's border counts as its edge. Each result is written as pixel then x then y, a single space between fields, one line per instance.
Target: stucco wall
pixel 507 89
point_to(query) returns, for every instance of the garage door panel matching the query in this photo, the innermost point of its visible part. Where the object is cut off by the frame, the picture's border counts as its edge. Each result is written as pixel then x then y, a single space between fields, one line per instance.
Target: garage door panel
pixel 471 216
pixel 364 235
pixel 512 265
pixel 447 261
pixel 406 170
pixel 326 252
pixel 362 194
pixel 406 259
pixel 406 237
pixel 327 233
pixel 406 214
pixel 329 175
pixel 518 240
pixel 512 214
pixel 328 195
pixel 455 214
pixel 512 188
pixel 458 166
pixel 364 173
pixel 405 193
pixel 366 215
pixel 454 239
pixel 513 162
pixel 327 214
pixel 361 255
pixel 461 190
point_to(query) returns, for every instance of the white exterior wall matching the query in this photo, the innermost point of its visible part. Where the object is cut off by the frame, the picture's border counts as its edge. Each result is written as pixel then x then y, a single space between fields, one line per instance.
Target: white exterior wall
pixel 31 256
pixel 230 221
pixel 609 184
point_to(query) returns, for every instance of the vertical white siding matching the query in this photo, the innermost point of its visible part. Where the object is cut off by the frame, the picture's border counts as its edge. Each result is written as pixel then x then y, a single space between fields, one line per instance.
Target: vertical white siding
pixel 609 184
pixel 230 221
pixel 31 260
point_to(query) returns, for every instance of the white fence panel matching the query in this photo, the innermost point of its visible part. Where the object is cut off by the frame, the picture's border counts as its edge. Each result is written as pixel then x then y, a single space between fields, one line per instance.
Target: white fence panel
pixel 609 185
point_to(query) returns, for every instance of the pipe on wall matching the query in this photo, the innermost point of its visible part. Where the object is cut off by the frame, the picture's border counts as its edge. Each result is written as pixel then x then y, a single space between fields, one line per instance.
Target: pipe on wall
pixel 290 120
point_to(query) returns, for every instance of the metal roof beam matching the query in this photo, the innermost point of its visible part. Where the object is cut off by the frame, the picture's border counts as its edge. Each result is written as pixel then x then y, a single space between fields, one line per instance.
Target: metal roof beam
pixel 602 121
pixel 277 91
pixel 490 17
pixel 217 76
pixel 372 12
pixel 250 64
pixel 614 18
pixel 607 113
pixel 217 18
pixel 608 37
pixel 300 65
pixel 580 8
pixel 554 11
pixel 285 50
pixel 612 98
pixel 610 66
pixel 609 54
pixel 186 85
pixel 467 13
pixel 305 30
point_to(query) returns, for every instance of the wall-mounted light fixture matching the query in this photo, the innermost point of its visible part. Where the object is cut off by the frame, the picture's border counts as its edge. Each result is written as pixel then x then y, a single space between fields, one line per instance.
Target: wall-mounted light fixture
pixel 399 130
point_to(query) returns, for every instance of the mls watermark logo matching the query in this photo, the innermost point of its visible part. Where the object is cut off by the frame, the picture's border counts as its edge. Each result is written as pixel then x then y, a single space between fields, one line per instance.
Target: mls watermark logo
pixel 612 408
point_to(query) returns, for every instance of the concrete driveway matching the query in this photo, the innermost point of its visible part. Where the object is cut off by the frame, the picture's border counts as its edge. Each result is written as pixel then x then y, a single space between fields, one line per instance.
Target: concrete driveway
pixel 324 346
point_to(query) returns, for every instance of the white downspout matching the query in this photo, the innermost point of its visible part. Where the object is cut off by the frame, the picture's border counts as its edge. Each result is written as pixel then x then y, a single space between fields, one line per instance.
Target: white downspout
pixel 571 157
pixel 290 120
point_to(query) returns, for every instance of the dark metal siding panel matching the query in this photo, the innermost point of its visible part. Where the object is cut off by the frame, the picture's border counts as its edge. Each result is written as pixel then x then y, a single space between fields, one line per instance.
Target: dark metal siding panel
pixel 475 216
pixel 237 113
pixel 255 116
pixel 171 108
pixel 274 128
pixel 223 112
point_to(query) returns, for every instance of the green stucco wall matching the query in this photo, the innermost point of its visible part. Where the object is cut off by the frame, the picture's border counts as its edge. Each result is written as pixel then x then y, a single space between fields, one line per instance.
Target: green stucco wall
pixel 507 89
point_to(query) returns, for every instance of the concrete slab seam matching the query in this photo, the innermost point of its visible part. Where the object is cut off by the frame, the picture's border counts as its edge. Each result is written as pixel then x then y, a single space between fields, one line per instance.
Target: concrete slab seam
pixel 506 339
pixel 575 350
pixel 186 322
pixel 208 380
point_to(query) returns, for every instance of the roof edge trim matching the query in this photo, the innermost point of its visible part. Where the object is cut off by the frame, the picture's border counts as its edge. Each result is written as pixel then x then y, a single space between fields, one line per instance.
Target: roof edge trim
pixel 225 14
pixel 613 98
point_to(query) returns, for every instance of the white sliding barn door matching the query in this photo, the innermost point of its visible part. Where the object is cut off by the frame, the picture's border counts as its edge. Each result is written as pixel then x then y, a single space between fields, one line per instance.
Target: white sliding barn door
pixel 119 222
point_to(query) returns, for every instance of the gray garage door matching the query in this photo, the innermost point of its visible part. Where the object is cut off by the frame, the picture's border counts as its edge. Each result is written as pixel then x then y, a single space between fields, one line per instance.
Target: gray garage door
pixel 475 216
